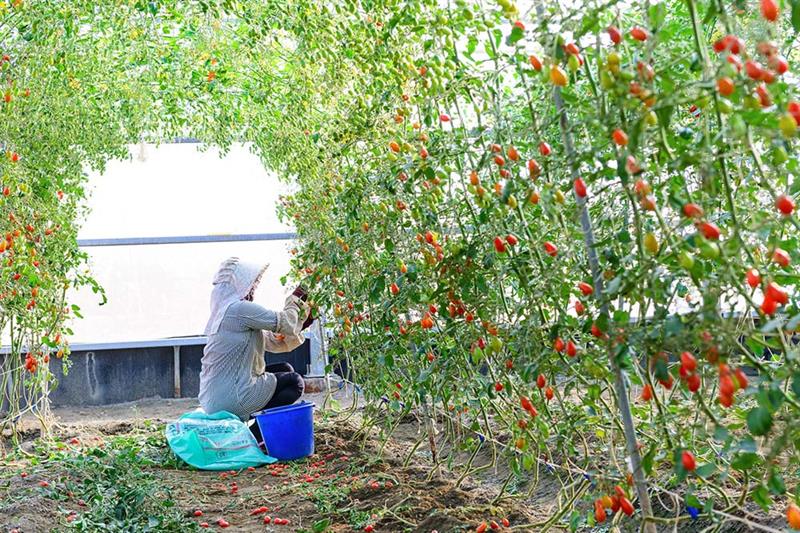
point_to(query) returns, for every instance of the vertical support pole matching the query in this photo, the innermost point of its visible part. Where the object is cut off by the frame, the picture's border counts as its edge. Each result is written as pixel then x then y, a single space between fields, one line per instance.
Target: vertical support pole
pixel 176 374
pixel 317 353
pixel 323 346
pixel 597 276
pixel 142 154
pixel 619 378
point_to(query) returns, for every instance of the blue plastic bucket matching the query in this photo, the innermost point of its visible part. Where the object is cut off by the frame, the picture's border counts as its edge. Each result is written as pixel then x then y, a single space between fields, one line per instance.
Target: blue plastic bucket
pixel 288 431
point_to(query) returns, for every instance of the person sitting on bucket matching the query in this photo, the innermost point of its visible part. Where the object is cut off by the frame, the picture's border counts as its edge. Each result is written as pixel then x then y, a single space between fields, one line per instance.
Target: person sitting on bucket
pixel 234 376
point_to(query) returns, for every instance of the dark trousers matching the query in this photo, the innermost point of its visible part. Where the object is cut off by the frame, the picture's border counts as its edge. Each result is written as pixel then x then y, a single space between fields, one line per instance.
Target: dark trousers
pixel 288 390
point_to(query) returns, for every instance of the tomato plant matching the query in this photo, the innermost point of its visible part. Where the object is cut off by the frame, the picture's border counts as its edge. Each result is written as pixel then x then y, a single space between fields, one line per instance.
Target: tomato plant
pixel 562 233
pixel 645 163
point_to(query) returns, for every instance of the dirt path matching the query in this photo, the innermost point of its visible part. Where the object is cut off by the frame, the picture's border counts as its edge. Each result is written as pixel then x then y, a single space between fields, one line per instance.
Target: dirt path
pixel 109 455
pixel 348 485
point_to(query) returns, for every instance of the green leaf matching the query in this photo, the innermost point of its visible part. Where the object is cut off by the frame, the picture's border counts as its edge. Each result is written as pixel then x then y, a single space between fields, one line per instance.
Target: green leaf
pixel 761 496
pixel 775 483
pixel 472 44
pixel 693 501
pixel 706 470
pixel 527 462
pixel 574 521
pixel 772 325
pixel 665 115
pixel 710 13
pixel 795 14
pixel 613 286
pixel 321 526
pixel 647 460
pixel 658 13
pixel 673 326
pixel 744 461
pixel 793 323
pixel 759 421
pixel 771 398
pixel 621 317
pixel 378 286
pixel 516 35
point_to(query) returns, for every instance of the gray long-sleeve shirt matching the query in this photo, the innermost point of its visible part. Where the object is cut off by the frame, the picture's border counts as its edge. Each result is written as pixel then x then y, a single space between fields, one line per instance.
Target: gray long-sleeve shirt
pixel 232 377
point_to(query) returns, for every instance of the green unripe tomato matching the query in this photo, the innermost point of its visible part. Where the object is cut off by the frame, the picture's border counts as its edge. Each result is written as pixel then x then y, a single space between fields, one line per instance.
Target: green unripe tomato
pixel 779 155
pixel 787 125
pixel 651 119
pixel 709 250
pixel 724 106
pixel 751 102
pixel 495 345
pixel 573 64
pixel 651 243
pixel 606 81
pixel 703 102
pixel 686 260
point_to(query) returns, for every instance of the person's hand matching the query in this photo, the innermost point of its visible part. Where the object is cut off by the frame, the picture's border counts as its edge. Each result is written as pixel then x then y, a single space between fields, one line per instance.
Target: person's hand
pixel 308 321
pixel 301 293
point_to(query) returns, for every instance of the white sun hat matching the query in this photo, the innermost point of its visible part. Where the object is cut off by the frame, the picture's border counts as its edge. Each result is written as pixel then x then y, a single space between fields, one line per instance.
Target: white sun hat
pixel 232 282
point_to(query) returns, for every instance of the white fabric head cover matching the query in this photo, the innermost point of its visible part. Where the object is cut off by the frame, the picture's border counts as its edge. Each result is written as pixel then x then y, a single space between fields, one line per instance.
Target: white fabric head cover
pixel 232 282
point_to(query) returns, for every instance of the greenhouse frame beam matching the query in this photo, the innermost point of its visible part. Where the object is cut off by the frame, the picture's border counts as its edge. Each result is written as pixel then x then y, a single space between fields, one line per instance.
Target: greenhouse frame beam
pixel 186 239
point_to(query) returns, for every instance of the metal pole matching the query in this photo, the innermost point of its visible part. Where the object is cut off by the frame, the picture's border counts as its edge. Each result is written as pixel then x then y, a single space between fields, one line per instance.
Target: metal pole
pixel 619 377
pixel 176 364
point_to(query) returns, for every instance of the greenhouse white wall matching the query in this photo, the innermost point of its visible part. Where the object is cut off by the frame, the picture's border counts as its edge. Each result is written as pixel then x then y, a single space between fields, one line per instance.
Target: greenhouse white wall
pixel 157 291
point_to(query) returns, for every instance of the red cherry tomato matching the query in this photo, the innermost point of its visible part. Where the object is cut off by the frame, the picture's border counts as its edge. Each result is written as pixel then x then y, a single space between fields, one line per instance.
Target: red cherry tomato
pixel 688 461
pixel 784 204
pixel 580 188
pixel 614 34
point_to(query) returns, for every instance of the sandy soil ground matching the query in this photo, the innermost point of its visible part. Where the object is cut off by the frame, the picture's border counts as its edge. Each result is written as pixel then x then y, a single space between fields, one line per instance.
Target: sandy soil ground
pixel 355 480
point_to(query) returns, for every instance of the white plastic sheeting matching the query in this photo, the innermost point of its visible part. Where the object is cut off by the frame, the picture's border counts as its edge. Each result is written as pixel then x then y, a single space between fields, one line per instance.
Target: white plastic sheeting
pixel 157 291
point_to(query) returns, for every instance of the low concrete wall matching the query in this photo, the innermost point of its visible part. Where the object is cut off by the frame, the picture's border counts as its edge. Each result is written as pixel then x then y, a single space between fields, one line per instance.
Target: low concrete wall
pixel 102 377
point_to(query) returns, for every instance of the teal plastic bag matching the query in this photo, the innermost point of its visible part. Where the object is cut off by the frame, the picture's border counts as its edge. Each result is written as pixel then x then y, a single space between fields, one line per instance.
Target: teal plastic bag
pixel 218 441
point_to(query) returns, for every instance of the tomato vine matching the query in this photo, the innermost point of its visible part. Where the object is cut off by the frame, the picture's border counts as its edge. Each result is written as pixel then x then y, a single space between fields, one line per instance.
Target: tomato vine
pixel 565 233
